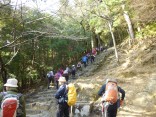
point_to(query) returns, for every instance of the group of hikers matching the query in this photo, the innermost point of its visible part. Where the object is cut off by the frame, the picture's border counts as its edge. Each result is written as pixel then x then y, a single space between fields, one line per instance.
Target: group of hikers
pixel 13 103
pixel 68 71
pixel 54 77
pixel 109 92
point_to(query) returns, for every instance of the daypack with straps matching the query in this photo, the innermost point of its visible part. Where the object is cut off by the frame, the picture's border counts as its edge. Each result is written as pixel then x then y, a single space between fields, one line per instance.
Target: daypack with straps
pixel 10 105
pixel 72 95
pixel 50 74
pixel 111 93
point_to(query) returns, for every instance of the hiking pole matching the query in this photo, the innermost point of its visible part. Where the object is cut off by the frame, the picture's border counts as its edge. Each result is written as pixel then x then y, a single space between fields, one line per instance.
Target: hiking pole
pixel 71 111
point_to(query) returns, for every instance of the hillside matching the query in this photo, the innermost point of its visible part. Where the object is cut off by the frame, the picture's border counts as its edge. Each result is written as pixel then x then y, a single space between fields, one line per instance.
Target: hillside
pixel 135 73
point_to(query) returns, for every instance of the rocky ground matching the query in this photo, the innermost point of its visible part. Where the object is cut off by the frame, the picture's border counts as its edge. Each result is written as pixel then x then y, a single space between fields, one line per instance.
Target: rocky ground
pixel 135 73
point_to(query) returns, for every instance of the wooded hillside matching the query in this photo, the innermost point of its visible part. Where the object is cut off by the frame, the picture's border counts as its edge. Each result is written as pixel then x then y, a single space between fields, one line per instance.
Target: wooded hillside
pixel 32 41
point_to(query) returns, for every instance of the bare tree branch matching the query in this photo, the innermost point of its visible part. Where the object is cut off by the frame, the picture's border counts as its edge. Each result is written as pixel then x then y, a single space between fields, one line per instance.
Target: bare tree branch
pixel 12 57
pixel 3 5
pixel 38 19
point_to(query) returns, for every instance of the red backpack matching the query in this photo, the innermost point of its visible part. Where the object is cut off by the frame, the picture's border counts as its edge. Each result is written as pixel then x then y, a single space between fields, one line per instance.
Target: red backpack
pixel 111 93
pixel 10 105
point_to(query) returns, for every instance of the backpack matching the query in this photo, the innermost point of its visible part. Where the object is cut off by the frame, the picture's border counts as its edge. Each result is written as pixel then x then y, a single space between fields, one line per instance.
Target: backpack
pixel 72 95
pixel 50 74
pixel 65 72
pixel 10 105
pixel 111 93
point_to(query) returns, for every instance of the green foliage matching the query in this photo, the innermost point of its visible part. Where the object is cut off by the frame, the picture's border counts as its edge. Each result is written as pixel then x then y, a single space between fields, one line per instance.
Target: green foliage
pixel 65 50
pixel 147 31
pixel 1 86
pixel 40 42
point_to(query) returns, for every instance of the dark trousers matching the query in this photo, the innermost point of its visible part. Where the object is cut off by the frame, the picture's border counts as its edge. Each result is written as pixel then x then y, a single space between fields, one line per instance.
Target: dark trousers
pixel 63 110
pixel 85 64
pixel 73 74
pixel 112 110
pixel 92 59
pixel 57 84
pixel 66 77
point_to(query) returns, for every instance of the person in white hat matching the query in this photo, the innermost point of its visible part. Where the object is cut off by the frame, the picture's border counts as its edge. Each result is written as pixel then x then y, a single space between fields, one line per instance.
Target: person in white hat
pixel 11 88
pixel 12 82
pixel 63 108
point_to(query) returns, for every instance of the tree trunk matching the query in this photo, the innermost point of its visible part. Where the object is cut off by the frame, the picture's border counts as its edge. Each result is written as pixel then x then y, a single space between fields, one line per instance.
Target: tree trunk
pixel 94 40
pixel 129 23
pixel 130 28
pixel 99 42
pixel 114 43
pixel 3 71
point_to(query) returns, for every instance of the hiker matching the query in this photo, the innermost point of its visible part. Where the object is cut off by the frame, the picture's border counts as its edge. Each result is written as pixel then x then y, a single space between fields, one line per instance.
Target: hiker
pixel 92 59
pixel 11 91
pixel 61 94
pixel 56 77
pixel 84 60
pixel 61 70
pixel 88 57
pixel 73 71
pixel 94 51
pixel 106 91
pixel 101 48
pixel 68 69
pixel 50 76
pixel 79 66
pixel 66 74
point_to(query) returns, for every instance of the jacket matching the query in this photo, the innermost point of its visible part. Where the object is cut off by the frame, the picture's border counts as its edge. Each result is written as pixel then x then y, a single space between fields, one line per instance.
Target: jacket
pixel 61 92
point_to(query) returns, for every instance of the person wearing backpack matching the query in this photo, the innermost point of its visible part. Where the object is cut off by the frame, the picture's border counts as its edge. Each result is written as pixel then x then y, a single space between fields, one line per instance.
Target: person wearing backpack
pixel 61 96
pixel 10 97
pixel 110 93
pixel 92 59
pixel 50 76
pixel 56 77
pixel 84 60
pixel 73 71
pixel 66 74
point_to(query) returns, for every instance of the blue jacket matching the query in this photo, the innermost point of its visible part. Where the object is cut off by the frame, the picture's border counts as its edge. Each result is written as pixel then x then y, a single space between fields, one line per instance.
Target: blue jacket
pixel 103 88
pixel 84 59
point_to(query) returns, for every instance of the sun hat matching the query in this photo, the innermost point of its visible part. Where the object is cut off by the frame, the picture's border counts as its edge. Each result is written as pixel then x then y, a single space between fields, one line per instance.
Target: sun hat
pixel 111 80
pixel 12 82
pixel 62 79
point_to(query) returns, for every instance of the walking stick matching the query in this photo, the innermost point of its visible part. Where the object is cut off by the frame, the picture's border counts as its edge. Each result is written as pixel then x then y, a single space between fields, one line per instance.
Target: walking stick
pixel 71 111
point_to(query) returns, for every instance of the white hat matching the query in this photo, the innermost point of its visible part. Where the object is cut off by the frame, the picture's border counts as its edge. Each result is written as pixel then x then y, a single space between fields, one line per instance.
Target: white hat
pixel 111 80
pixel 11 83
pixel 62 79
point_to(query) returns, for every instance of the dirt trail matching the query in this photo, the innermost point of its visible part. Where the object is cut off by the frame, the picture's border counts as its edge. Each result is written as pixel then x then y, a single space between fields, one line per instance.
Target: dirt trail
pixel 135 73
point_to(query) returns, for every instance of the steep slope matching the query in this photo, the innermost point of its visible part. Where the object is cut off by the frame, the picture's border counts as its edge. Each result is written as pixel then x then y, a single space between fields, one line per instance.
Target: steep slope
pixel 135 74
